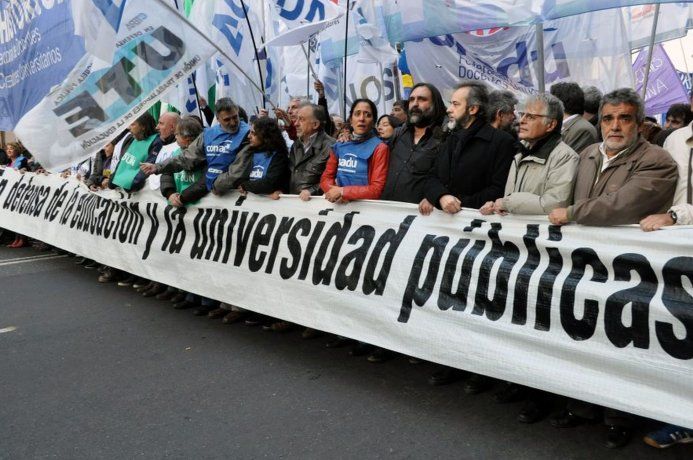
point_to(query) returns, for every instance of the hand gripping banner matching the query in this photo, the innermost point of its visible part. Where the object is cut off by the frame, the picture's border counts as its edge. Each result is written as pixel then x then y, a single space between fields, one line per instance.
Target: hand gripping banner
pixel 599 314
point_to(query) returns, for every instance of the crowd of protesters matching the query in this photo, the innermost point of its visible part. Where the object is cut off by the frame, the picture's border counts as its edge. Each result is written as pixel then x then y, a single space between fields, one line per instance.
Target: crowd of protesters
pixel 573 154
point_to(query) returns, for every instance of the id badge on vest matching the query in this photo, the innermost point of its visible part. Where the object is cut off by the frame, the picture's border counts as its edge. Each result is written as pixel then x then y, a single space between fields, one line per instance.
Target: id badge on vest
pixel 261 163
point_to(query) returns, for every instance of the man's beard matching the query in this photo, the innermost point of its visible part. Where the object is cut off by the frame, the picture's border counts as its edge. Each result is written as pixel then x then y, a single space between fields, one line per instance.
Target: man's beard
pixel 420 118
pixel 457 123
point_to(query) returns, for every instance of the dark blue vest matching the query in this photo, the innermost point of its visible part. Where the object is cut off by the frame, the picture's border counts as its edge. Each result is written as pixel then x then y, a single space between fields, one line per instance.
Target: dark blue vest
pixel 352 160
pixel 261 164
pixel 221 149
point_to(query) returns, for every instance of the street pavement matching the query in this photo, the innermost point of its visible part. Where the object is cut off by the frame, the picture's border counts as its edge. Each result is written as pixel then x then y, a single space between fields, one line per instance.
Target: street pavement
pixel 96 371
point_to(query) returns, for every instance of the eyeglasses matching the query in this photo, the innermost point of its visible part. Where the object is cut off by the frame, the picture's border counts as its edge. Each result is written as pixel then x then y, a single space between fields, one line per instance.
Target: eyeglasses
pixel 530 116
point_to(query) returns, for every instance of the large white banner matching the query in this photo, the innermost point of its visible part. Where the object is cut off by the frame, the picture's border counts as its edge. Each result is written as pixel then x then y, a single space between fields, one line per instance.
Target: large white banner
pixel 599 314
pixel 155 49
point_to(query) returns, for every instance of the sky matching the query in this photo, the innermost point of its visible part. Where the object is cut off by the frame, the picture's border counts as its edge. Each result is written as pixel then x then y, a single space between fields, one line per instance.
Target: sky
pixel 681 52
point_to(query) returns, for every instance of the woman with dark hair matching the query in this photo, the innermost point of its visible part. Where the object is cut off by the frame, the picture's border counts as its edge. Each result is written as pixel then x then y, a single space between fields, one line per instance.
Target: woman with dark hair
pixel 142 149
pixel 386 127
pixel 268 169
pixel 262 167
pixel 356 170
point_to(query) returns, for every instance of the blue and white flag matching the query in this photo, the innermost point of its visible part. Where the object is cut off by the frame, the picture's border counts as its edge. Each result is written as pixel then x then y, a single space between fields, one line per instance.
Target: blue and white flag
pixel 36 55
pixel 416 19
pixel 591 49
pixel 303 19
pixel 239 30
pixel 154 50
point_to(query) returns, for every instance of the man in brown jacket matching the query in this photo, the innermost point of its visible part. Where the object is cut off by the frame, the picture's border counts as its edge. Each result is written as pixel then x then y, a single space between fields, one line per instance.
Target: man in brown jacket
pixel 625 178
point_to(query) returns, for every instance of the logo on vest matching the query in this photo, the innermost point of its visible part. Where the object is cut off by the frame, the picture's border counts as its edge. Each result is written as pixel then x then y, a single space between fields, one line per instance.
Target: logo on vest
pixel 348 163
pixel 130 159
pixel 258 172
pixel 224 147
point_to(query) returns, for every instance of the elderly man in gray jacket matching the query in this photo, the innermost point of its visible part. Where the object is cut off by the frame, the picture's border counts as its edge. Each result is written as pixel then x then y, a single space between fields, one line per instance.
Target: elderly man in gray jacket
pixel 542 173
pixel 310 151
pixel 540 180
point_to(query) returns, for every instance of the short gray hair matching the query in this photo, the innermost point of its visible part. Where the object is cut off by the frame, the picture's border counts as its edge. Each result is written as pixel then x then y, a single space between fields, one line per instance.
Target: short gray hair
pixel 318 112
pixel 501 101
pixel 225 104
pixel 624 96
pixel 301 99
pixel 552 105
pixel 189 127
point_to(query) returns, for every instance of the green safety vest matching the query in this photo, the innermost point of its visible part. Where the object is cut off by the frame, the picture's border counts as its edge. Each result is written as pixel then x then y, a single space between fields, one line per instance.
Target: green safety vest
pixel 129 164
pixel 185 179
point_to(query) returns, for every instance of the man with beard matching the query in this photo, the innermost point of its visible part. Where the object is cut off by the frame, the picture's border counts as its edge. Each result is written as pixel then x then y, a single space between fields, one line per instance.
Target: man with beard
pixel 471 169
pixel 473 164
pixel 414 146
pixel 413 151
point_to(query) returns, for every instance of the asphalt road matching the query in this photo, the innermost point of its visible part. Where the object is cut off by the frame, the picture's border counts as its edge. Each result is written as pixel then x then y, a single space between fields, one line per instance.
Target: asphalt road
pixel 97 371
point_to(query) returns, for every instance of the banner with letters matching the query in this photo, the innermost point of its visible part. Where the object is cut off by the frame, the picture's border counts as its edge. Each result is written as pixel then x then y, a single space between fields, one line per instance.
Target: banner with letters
pixel 599 314
pixel 591 49
pixel 154 50
pixel 38 48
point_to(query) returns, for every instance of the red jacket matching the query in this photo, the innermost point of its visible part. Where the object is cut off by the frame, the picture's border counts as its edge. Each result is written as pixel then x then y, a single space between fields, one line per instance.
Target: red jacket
pixel 377 173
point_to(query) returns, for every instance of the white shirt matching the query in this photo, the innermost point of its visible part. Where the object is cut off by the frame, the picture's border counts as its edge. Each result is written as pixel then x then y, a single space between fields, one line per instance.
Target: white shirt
pixel 164 154
pixel 679 145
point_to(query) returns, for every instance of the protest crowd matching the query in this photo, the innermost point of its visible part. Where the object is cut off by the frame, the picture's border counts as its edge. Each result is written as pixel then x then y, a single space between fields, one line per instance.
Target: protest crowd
pixel 572 154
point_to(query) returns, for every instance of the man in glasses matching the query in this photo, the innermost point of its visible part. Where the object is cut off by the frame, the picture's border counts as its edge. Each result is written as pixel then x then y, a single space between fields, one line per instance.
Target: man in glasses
pixel 542 173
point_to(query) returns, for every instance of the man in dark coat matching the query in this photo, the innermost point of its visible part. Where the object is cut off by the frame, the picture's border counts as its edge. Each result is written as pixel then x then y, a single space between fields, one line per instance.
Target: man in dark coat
pixel 473 164
pixel 471 168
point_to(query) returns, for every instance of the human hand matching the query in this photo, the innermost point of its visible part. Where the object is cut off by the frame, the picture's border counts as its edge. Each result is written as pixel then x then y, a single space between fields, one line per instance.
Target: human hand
pixel 425 207
pixel 282 115
pixel 304 195
pixel 148 168
pixel 334 194
pixel 174 200
pixel 319 88
pixel 499 207
pixel 559 216
pixel 450 204
pixel 487 208
pixel 656 221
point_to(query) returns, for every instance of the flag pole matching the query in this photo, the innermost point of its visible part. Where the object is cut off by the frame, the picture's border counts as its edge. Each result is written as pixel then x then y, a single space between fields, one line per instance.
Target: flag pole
pixel 257 56
pixel 541 73
pixel 346 43
pixel 649 52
